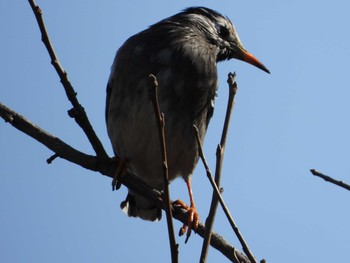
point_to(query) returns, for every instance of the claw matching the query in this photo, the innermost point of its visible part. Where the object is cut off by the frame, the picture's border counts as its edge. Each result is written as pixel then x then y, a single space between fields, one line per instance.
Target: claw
pixel 182 230
pixel 118 173
pixel 193 218
pixel 192 221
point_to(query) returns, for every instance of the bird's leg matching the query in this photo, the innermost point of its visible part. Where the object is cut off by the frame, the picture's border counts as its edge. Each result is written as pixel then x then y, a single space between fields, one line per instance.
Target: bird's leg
pixel 121 164
pixel 193 218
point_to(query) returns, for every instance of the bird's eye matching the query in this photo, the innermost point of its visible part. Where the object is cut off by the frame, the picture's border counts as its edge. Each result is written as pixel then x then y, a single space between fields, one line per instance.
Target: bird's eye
pixel 223 31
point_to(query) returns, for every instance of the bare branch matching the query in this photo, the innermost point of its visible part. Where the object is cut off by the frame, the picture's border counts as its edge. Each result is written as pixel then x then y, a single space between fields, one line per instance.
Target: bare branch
pixel 161 131
pixel 330 179
pixel 232 84
pixel 222 202
pixel 216 193
pixel 52 158
pixel 219 158
pixel 78 111
pixel 107 168
pixel 60 148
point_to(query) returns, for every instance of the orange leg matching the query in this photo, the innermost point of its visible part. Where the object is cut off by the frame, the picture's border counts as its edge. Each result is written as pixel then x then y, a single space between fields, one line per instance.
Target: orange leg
pixel 193 218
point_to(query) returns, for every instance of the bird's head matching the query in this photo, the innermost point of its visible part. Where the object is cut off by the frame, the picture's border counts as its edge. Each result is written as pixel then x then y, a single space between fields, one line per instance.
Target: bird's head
pixel 219 30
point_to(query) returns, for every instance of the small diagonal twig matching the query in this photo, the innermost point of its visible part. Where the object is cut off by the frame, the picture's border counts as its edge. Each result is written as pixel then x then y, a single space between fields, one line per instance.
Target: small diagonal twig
pixel 219 155
pixel 161 125
pixel 52 158
pixel 222 202
pixel 78 112
pixel 216 192
pixel 330 179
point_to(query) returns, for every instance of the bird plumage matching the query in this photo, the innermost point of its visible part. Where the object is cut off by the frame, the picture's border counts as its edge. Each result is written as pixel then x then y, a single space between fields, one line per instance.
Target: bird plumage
pixel 182 52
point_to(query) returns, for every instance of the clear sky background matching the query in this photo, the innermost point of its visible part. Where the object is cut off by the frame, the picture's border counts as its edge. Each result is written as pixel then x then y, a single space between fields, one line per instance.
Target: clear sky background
pixel 283 124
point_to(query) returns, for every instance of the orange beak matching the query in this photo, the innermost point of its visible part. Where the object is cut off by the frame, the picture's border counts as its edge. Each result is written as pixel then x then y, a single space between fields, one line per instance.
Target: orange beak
pixel 249 58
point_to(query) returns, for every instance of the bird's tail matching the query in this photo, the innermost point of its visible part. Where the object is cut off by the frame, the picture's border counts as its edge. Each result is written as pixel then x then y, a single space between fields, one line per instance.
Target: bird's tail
pixel 137 206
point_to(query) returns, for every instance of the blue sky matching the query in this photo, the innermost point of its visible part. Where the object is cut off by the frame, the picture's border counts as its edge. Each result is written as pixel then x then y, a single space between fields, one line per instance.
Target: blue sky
pixel 283 124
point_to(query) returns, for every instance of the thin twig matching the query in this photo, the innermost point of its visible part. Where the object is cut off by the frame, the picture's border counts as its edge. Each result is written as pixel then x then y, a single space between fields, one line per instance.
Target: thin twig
pixel 232 84
pixel 330 179
pixel 219 159
pixel 52 158
pixel 222 202
pixel 130 180
pixel 60 148
pixel 161 128
pixel 78 111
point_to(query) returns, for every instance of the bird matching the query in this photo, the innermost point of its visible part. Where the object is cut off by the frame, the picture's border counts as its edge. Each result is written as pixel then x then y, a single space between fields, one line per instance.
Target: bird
pixel 182 51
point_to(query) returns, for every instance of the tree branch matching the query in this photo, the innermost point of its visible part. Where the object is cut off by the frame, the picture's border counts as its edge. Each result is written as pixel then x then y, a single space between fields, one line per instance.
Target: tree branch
pixel 223 205
pixel 107 168
pixel 219 159
pixel 160 119
pixel 330 179
pixel 78 111
pixel 60 148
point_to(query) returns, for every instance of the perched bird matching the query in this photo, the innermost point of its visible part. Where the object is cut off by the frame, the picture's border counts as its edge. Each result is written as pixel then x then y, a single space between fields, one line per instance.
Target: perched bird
pixel 182 51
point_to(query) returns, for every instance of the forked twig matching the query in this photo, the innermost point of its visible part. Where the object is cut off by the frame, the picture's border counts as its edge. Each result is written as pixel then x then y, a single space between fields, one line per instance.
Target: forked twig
pixel 131 181
pixel 78 111
pixel 330 179
pixel 219 155
pixel 161 128
pixel 222 202
pixel 216 192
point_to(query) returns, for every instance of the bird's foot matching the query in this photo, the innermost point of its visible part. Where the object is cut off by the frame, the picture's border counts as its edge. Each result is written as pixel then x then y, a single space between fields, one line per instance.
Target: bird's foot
pixel 121 165
pixel 192 221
